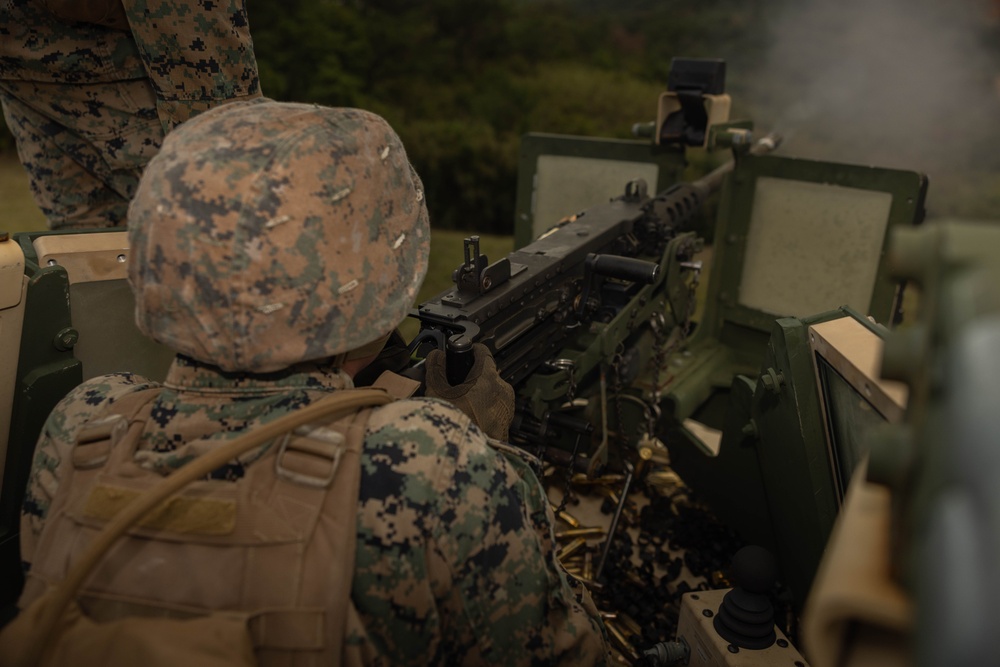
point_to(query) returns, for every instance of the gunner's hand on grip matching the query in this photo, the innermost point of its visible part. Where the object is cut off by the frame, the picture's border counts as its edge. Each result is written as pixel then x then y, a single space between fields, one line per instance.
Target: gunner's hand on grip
pixel 483 394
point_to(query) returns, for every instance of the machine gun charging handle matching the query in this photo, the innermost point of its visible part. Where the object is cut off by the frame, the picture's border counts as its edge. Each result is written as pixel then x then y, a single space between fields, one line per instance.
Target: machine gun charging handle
pixel 614 266
pixel 625 268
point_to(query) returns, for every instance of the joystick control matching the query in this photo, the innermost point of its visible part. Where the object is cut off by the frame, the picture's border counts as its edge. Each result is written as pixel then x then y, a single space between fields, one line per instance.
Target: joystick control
pixel 746 616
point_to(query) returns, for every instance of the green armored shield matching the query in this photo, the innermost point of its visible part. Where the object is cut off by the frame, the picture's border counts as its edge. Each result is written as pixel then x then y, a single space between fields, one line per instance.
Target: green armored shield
pixel 793 238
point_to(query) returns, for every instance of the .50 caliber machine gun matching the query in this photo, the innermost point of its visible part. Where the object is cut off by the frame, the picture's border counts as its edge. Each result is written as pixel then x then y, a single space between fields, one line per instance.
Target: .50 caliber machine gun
pixel 581 295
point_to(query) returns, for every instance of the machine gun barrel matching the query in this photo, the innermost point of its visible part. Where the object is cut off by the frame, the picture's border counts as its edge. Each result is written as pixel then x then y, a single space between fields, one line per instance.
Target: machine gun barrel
pixel 713 180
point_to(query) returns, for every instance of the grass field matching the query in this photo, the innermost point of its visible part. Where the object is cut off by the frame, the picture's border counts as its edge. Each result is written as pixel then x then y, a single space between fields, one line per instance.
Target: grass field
pixel 19 212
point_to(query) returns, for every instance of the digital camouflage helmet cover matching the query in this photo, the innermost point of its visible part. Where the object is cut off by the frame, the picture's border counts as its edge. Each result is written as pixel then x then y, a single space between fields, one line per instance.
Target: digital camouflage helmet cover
pixel 267 233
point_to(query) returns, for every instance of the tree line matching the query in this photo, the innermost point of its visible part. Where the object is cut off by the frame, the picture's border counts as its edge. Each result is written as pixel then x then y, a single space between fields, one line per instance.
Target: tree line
pixel 461 82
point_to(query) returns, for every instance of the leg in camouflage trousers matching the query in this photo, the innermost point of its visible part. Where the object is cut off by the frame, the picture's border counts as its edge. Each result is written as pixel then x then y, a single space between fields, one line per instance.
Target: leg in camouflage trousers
pixel 84 146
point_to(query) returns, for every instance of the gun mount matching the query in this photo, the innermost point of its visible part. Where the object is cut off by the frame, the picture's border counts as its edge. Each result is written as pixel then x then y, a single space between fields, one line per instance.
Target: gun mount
pixel 602 364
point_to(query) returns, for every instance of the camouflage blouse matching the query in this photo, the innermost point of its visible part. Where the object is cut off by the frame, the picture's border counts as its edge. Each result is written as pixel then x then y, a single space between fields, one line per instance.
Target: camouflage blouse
pixel 455 554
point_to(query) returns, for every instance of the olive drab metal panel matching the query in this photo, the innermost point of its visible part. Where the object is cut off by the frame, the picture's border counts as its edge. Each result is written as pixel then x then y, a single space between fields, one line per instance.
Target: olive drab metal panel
pixel 102 307
pixel 561 175
pixel 793 238
pixel 789 225
pixel 768 263
pixel 818 395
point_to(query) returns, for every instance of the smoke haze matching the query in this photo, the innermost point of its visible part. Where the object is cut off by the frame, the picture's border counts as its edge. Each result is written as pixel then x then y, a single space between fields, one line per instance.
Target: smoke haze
pixel 897 83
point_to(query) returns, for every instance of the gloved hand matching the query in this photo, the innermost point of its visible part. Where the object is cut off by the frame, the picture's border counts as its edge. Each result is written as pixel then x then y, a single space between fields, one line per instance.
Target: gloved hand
pixel 484 395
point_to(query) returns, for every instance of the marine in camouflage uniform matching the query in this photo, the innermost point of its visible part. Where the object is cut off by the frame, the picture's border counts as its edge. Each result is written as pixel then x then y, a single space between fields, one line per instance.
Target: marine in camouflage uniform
pixel 89 94
pixel 269 240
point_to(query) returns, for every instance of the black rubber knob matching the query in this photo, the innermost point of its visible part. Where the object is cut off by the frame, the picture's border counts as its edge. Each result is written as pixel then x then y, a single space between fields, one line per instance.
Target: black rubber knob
pixel 754 569
pixel 746 617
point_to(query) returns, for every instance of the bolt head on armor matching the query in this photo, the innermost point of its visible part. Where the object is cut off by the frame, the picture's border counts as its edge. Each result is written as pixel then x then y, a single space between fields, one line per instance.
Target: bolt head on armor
pixel 269 233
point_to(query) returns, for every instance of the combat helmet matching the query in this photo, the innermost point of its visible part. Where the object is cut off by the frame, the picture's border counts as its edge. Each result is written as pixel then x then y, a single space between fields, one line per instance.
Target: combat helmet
pixel 268 233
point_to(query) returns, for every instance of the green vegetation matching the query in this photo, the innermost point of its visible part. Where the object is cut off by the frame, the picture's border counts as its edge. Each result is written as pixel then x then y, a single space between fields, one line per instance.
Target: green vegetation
pixel 462 82
pixel 20 214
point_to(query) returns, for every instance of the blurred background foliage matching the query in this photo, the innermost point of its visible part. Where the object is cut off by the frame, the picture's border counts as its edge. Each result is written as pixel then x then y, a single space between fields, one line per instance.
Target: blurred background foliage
pixel 461 82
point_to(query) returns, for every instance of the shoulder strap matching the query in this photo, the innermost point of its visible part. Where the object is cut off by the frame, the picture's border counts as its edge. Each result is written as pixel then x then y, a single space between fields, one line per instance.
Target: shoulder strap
pixel 345 500
pixel 341 404
pixel 96 438
pixel 397 385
